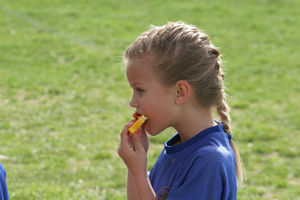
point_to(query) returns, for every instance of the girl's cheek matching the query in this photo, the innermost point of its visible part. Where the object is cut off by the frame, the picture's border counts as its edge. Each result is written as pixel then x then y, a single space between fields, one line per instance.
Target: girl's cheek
pixel 143 106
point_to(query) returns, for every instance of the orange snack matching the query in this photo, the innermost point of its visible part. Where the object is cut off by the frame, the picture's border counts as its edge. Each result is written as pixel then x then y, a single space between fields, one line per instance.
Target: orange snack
pixel 137 124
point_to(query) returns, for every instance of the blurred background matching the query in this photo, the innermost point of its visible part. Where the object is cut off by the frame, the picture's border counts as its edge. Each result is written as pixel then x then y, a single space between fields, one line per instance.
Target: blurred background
pixel 64 95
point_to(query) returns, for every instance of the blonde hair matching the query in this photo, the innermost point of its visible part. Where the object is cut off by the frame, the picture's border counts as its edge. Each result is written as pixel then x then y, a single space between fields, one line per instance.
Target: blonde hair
pixel 183 52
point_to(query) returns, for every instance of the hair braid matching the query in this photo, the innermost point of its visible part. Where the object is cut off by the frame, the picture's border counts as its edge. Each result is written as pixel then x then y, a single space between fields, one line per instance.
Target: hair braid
pixel 223 111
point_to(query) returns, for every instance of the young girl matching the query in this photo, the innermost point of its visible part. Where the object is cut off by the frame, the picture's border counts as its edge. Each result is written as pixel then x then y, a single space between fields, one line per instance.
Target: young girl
pixel 176 76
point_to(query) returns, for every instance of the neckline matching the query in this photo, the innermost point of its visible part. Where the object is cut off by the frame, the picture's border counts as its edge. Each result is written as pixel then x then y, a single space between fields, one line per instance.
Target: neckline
pixel 170 149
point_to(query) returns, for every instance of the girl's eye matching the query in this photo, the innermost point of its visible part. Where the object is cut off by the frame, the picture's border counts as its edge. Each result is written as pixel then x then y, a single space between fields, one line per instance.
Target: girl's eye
pixel 140 90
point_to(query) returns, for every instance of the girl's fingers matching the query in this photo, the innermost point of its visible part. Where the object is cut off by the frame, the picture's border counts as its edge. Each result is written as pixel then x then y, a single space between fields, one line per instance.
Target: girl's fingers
pixel 125 140
pixel 124 134
pixel 142 132
pixel 137 142
pixel 125 129
pixel 130 142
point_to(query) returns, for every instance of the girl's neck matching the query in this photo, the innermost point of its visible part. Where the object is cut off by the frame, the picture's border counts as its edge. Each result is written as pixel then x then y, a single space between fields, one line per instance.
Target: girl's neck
pixel 192 121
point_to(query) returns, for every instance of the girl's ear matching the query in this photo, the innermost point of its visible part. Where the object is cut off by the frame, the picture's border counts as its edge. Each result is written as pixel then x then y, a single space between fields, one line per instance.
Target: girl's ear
pixel 183 92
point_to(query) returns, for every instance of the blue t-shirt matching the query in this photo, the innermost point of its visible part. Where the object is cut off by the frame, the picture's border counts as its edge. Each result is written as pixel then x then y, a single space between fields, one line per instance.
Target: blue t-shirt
pixel 201 168
pixel 3 186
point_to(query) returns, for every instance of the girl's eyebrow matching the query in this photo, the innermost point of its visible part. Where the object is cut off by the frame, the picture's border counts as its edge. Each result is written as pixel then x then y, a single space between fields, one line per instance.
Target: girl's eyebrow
pixel 136 84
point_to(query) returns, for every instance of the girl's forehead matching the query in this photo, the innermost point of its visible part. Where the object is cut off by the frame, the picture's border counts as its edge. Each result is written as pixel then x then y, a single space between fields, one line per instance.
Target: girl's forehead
pixel 140 66
pixel 137 73
pixel 141 71
pixel 145 60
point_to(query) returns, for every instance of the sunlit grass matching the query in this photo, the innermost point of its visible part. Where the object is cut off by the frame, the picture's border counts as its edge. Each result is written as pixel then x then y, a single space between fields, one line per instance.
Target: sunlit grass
pixel 64 96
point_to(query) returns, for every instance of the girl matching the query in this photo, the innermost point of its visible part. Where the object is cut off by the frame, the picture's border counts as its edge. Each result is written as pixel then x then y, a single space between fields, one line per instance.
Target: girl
pixel 176 76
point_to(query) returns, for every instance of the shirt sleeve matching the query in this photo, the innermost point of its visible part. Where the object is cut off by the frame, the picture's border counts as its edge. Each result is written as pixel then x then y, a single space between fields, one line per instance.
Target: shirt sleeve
pixel 204 179
pixel 3 186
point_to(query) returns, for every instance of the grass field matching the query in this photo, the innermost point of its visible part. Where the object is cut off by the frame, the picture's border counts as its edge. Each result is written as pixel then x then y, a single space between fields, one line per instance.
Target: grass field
pixel 64 95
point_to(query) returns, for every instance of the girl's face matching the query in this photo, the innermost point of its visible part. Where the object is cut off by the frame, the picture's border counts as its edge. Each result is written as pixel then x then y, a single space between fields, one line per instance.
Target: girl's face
pixel 150 97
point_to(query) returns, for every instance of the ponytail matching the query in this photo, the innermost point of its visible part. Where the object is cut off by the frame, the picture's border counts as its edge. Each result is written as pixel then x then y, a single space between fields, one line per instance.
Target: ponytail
pixel 223 111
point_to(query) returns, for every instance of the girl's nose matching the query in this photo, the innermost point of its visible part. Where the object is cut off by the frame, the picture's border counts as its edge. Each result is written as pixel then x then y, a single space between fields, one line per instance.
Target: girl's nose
pixel 133 103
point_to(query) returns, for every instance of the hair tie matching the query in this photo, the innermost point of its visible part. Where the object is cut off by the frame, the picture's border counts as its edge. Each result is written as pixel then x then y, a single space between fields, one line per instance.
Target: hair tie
pixel 230 136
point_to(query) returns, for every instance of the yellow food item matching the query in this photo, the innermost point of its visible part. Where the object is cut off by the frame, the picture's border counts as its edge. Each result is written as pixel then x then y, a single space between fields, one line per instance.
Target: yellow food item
pixel 136 125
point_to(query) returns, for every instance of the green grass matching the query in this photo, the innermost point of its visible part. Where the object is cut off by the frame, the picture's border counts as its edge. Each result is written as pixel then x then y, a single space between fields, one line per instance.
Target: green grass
pixel 64 95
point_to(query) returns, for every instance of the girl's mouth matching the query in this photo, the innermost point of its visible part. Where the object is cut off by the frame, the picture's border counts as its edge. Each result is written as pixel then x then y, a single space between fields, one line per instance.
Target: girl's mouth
pixel 136 115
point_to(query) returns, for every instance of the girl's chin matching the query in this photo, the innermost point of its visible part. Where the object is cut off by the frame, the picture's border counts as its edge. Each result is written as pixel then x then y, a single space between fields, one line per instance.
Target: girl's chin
pixel 151 132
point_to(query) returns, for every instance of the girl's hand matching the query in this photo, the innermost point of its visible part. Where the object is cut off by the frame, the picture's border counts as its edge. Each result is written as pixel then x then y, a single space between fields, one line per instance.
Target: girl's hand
pixel 133 150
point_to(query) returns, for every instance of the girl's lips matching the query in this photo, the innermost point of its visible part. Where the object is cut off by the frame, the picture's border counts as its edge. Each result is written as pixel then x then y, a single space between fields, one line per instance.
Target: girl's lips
pixel 136 115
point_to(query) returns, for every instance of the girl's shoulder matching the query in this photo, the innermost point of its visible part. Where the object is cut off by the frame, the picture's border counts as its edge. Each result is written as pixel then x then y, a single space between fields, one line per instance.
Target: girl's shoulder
pixel 215 150
pixel 212 153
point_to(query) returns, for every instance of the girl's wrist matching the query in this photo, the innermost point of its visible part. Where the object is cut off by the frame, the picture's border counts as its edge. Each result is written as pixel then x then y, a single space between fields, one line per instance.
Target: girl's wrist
pixel 140 178
pixel 138 173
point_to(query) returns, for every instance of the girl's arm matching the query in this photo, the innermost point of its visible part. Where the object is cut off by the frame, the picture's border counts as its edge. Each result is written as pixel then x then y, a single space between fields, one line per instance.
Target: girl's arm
pixel 133 151
pixel 131 189
pixel 144 187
